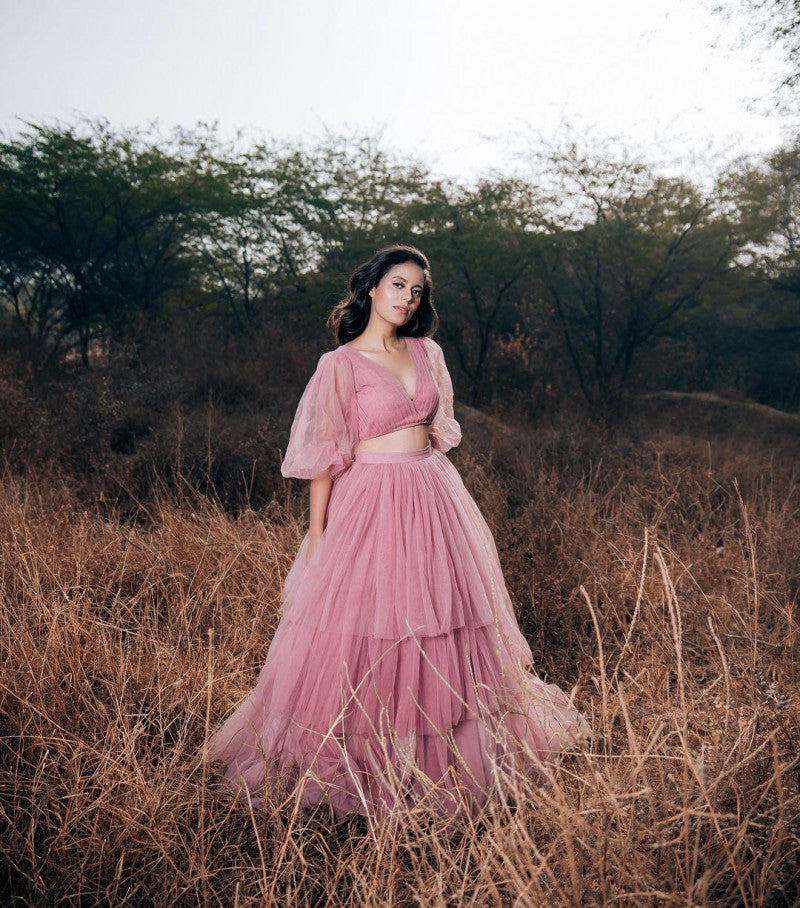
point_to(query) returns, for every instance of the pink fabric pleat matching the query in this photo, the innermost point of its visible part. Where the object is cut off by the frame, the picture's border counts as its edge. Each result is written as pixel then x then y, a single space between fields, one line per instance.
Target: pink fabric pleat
pixel 398 661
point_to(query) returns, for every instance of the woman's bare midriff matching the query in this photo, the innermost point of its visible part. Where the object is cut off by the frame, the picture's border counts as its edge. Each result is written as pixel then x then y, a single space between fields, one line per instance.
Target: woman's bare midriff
pixel 412 438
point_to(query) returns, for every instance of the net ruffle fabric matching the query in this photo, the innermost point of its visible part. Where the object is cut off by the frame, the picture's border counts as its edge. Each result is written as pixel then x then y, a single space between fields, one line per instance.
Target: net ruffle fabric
pixel 444 432
pixel 324 432
pixel 397 674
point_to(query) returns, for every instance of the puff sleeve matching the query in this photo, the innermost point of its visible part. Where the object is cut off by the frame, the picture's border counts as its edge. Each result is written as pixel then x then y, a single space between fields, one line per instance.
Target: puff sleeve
pixel 324 431
pixel 444 431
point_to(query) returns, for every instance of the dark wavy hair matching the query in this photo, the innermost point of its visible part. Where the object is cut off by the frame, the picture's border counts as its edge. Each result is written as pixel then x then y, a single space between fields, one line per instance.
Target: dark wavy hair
pixel 350 316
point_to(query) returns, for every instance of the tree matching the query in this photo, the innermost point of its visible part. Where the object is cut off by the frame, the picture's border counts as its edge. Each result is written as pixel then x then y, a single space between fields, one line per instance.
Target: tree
pixel 91 230
pixel 626 252
pixel 31 290
pixel 764 295
pixel 775 22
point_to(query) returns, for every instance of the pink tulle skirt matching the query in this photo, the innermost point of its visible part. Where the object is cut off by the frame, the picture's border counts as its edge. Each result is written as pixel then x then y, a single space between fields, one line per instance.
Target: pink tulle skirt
pixel 397 676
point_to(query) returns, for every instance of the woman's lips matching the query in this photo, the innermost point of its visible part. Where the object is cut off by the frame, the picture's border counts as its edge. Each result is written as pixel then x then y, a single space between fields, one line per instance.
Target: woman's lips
pixel 401 309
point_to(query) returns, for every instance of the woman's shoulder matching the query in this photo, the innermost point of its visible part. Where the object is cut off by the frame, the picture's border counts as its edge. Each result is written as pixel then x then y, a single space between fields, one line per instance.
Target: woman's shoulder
pixel 331 366
pixel 336 362
pixel 329 357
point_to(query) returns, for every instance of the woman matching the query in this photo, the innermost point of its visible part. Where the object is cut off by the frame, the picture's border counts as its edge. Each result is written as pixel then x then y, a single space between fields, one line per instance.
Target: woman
pixel 396 676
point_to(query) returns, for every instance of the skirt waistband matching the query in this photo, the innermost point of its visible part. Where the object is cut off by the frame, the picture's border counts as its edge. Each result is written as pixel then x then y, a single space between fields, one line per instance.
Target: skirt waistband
pixel 392 456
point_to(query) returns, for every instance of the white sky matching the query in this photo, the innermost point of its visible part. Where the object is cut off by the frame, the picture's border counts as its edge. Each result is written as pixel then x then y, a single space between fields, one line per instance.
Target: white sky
pixel 436 75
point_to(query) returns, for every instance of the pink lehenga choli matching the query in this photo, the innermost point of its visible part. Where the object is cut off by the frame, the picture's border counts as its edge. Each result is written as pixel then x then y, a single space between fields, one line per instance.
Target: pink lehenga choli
pixel 398 675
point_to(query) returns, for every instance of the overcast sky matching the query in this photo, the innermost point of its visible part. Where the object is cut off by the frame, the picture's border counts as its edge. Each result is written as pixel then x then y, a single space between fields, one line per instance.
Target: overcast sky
pixel 439 77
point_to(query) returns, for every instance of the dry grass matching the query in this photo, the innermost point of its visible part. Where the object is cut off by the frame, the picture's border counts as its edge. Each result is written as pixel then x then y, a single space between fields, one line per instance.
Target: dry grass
pixel 661 577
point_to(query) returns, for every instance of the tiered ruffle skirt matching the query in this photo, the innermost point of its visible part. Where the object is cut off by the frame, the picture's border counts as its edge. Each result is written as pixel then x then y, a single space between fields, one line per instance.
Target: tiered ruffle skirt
pixel 397 676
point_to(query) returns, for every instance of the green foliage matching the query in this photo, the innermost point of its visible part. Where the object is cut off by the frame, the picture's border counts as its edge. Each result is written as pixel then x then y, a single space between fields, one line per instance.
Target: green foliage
pixel 593 272
pixel 90 233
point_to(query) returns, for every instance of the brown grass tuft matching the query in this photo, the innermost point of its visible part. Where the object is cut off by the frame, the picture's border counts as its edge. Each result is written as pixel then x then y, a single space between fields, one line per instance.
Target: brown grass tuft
pixel 659 576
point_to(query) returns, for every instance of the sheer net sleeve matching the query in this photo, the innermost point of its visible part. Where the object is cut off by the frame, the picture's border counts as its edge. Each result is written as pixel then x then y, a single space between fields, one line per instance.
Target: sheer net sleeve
pixel 445 432
pixel 324 431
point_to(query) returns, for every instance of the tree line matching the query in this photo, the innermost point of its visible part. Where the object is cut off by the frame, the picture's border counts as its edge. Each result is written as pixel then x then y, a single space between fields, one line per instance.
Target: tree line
pixel 584 271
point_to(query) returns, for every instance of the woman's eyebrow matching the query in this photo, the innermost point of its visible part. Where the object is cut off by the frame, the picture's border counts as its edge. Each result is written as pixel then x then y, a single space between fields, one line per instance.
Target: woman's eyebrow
pixel 404 279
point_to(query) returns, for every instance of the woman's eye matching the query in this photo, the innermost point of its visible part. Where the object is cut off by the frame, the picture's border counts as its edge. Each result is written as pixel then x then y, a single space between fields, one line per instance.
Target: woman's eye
pixel 398 284
pixel 418 293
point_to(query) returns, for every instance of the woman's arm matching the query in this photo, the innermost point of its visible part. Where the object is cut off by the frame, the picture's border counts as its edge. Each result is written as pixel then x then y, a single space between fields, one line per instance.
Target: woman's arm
pixel 324 433
pixel 319 493
pixel 323 437
pixel 444 432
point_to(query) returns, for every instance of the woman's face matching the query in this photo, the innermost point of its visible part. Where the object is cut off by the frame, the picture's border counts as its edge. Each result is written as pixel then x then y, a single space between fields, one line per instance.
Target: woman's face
pixel 398 294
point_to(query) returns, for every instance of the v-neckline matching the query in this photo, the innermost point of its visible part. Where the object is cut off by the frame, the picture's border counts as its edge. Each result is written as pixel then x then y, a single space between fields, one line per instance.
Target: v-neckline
pixel 411 344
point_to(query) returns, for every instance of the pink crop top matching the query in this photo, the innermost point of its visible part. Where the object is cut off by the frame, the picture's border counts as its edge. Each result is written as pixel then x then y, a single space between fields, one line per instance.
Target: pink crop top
pixel 350 398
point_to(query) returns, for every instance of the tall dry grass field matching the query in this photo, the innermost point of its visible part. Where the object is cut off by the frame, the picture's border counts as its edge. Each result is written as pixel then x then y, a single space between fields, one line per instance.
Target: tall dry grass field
pixel 661 576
